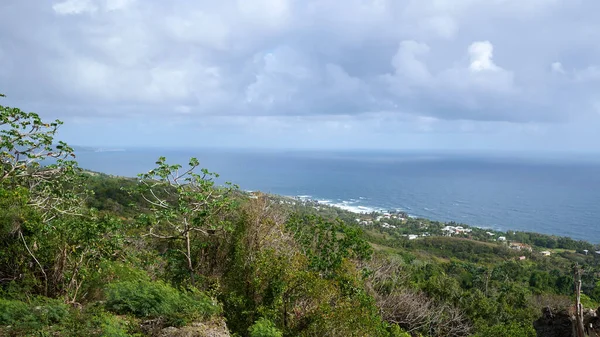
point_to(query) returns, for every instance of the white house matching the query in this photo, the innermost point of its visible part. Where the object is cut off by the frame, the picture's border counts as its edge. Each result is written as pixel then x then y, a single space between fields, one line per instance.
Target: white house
pixel 457 229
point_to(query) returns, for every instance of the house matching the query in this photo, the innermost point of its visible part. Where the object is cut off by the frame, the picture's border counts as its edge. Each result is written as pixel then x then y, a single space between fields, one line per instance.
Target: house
pixel 456 230
pixel 502 238
pixel 519 246
pixel 545 253
pixel 521 258
pixel 412 236
pixel 489 233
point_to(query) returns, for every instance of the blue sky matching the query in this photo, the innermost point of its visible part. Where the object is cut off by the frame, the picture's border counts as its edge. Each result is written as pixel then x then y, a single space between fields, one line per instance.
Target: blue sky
pixel 394 74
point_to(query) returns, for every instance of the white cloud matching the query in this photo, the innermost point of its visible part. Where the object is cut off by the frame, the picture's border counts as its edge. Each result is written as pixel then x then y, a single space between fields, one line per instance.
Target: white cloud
pixel 199 29
pixel 279 77
pixel 407 61
pixel 71 7
pixel 495 7
pixel 481 54
pixel 589 74
pixel 267 12
pixel 339 81
pixel 74 7
pixel 557 67
pixel 476 90
pixel 441 25
pixel 427 58
pixel 114 5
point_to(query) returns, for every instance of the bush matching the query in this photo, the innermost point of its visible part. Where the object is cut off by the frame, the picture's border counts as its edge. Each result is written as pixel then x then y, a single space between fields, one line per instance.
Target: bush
pixel 25 317
pixel 508 330
pixel 264 328
pixel 110 272
pixel 396 331
pixel 113 327
pixel 145 299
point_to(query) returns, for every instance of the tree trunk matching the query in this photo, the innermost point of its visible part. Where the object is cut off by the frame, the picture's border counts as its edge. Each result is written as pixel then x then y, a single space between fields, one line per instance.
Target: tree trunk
pixel 189 258
pixel 579 329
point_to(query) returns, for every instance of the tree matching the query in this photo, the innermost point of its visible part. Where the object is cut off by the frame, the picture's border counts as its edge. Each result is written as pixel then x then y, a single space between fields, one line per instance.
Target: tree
pixel 26 141
pixel 328 243
pixel 185 206
pixel 44 192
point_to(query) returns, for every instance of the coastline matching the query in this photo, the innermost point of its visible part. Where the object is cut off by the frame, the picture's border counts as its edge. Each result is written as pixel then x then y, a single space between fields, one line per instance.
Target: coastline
pixel 382 215
pixel 502 195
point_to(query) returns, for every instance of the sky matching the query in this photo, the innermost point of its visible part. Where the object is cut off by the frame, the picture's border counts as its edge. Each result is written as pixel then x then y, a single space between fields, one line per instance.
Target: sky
pixel 495 75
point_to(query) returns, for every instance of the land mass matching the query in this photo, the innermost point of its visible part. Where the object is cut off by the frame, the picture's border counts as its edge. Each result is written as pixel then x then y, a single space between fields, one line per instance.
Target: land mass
pixel 171 253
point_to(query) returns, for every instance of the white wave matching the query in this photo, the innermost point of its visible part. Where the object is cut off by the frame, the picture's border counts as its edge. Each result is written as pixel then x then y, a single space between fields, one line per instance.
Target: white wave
pixel 304 196
pixel 348 205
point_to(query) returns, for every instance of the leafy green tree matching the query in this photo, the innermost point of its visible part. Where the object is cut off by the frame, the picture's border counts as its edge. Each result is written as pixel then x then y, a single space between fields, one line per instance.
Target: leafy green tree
pixel 30 158
pixel 327 243
pixel 25 141
pixel 186 207
pixel 39 183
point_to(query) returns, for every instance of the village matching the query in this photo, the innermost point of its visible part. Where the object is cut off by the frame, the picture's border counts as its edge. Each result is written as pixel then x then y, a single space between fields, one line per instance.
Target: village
pixel 412 228
pixel 399 224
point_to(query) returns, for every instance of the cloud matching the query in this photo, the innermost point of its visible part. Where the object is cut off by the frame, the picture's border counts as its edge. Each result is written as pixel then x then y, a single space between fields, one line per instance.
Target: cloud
pixel 75 7
pixel 443 26
pixel 269 12
pixel 481 54
pixel 437 61
pixel 477 89
pixel 589 74
pixel 71 7
pixel 407 61
pixel 557 67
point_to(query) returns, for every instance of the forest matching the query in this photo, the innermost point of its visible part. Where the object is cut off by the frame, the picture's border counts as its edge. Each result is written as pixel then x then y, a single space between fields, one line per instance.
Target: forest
pixel 171 253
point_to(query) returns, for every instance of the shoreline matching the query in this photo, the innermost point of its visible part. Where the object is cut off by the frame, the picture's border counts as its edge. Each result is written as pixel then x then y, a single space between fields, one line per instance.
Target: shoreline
pixel 382 211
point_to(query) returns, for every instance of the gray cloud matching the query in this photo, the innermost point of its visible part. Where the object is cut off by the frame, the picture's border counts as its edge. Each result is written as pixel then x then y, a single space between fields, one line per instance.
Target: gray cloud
pixel 482 60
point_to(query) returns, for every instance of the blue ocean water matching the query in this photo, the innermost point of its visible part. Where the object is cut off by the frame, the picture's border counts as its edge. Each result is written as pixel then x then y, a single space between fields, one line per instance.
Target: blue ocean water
pixel 548 195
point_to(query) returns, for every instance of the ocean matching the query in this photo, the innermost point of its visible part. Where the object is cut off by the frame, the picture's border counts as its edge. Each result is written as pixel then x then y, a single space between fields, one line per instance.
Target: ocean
pixel 545 194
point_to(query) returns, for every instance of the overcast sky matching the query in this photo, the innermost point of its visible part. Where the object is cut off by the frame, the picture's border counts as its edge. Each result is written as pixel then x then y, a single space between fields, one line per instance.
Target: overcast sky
pixel 404 74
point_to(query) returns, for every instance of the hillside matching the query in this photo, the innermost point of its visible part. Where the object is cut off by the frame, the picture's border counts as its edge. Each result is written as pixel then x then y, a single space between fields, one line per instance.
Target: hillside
pixel 172 254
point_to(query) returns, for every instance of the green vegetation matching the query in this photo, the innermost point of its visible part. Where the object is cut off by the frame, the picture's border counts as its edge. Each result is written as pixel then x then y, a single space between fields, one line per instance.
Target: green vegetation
pixel 87 254
pixel 264 328
pixel 145 299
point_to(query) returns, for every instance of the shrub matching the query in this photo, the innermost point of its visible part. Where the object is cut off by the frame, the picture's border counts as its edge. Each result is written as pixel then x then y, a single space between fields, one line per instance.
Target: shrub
pixel 21 316
pixel 145 299
pixel 396 331
pixel 113 327
pixel 508 330
pixel 264 328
